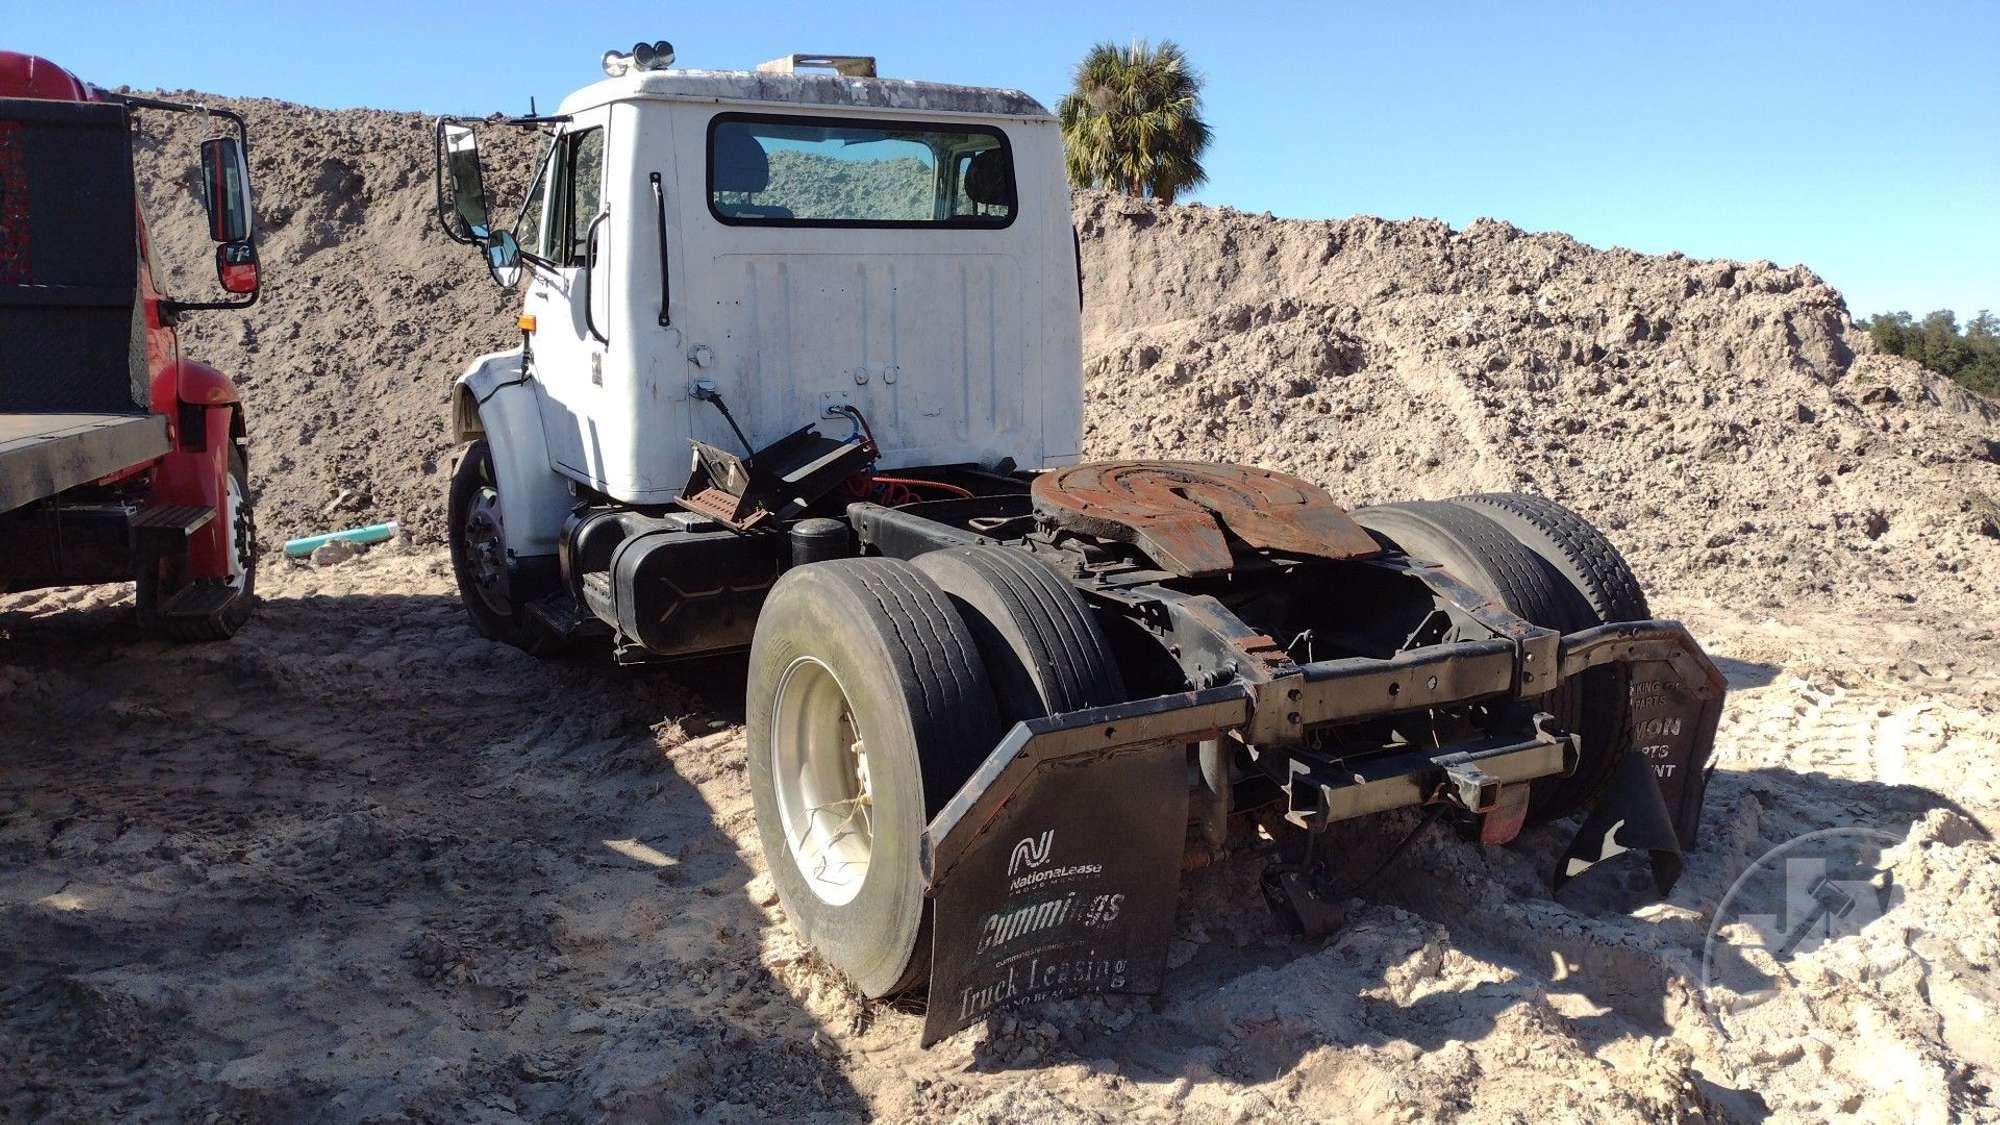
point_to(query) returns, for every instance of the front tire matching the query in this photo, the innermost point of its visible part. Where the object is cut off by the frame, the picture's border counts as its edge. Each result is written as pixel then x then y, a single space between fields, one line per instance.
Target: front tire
pixel 158 585
pixel 477 537
pixel 867 708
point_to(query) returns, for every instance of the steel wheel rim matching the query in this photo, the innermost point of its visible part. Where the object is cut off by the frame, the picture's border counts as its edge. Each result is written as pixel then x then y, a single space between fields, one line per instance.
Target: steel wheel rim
pixel 236 518
pixel 819 769
pixel 486 550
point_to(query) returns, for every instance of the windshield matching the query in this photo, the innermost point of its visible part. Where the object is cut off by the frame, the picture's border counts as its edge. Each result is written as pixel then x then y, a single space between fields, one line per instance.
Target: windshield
pixel 808 171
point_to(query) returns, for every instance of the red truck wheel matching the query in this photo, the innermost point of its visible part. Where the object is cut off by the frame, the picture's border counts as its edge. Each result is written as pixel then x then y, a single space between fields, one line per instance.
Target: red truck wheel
pixel 159 585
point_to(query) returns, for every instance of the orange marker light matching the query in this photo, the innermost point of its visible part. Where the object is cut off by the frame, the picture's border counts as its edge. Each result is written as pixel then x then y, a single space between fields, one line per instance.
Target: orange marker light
pixel 527 322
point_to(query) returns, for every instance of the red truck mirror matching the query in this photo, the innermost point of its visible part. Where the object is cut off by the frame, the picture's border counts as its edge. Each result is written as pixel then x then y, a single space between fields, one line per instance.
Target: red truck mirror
pixel 236 266
pixel 225 179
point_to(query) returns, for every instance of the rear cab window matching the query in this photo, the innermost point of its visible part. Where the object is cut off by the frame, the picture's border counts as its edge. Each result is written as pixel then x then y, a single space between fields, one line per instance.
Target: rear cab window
pixel 776 170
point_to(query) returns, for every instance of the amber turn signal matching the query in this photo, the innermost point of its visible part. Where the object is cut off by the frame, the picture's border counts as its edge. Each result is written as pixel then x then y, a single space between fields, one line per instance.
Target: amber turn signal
pixel 527 322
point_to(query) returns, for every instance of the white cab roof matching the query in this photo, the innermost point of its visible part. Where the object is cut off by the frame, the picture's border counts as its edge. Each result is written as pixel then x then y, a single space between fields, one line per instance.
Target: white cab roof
pixel 817 90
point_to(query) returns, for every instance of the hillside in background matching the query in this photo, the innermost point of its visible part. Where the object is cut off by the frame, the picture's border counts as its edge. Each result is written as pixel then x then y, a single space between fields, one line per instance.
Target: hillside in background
pixel 1725 420
pixel 816 186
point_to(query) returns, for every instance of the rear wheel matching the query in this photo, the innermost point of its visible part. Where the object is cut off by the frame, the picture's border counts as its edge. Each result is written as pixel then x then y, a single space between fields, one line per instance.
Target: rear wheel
pixel 477 537
pixel 1493 560
pixel 1038 638
pixel 866 709
pixel 1569 543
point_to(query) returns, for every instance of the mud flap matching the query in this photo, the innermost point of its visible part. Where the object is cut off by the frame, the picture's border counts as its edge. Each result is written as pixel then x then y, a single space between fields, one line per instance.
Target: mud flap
pixel 1054 871
pixel 1674 717
pixel 1655 798
pixel 1631 816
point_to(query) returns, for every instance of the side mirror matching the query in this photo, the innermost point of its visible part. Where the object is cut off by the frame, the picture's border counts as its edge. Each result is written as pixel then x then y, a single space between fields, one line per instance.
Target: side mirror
pixel 236 266
pixel 225 179
pixel 503 258
pixel 468 185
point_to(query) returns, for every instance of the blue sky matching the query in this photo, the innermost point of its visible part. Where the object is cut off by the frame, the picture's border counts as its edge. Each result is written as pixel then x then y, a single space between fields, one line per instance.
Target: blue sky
pixel 1861 139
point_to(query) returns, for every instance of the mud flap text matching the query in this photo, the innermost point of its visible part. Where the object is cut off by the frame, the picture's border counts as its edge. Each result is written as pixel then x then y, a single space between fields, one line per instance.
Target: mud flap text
pixel 1070 890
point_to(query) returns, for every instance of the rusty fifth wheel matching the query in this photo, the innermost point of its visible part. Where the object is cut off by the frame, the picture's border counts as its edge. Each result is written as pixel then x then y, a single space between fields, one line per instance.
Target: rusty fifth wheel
pixel 1177 511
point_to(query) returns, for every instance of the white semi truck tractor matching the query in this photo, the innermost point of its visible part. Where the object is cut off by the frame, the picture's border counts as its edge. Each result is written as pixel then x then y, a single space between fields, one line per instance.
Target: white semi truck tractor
pixel 800 377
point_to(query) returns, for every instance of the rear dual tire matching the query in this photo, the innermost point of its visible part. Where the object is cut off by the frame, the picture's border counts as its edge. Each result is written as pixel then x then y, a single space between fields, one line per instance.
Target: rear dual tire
pixel 879 685
pixel 1549 566
pixel 1035 632
pixel 871 647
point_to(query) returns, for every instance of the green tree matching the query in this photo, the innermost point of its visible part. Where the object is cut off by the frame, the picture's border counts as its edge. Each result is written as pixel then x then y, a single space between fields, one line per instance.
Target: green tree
pixel 1971 356
pixel 1133 121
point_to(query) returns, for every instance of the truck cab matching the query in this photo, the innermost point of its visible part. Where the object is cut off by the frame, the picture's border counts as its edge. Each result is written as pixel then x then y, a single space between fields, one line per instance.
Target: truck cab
pixel 793 245
pixel 121 459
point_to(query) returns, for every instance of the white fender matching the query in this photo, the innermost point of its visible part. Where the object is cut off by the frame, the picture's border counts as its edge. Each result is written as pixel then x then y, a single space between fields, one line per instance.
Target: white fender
pixel 496 400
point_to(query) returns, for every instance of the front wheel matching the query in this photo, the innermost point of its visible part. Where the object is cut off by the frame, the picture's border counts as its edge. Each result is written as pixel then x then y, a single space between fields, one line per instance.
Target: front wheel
pixel 163 581
pixel 477 537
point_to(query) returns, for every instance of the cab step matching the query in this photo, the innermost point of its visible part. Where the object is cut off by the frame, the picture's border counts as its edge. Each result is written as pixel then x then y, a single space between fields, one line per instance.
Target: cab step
pixel 166 528
pixel 198 602
pixel 566 619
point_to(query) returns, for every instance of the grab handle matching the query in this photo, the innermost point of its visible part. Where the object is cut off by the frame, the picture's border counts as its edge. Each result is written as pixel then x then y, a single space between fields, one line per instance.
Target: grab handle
pixel 590 268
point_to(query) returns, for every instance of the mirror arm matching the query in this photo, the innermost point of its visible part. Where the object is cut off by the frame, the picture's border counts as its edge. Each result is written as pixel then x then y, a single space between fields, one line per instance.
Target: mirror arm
pixel 590 268
pixel 170 307
pixel 660 205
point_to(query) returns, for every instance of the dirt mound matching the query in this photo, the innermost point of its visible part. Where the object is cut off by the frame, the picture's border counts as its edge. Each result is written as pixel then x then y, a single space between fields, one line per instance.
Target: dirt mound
pixel 368 311
pixel 1713 416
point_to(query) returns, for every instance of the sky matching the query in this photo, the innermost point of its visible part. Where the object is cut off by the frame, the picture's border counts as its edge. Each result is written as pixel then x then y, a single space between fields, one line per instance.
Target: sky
pixel 1862 139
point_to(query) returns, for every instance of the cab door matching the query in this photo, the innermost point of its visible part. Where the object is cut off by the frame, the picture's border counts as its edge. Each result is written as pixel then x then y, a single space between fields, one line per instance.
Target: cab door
pixel 568 296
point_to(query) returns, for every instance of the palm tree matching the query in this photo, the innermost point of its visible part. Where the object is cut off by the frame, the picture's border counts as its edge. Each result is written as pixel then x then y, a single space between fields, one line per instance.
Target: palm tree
pixel 1133 121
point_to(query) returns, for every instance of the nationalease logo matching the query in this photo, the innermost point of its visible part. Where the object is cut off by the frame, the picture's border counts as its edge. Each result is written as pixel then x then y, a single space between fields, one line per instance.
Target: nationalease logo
pixel 1032 851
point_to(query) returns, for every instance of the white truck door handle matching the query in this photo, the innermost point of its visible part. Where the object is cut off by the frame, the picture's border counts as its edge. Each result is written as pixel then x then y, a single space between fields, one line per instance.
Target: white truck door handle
pixel 590 268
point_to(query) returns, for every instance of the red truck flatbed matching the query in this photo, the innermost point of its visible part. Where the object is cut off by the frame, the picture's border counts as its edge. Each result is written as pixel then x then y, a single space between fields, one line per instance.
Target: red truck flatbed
pixel 44 454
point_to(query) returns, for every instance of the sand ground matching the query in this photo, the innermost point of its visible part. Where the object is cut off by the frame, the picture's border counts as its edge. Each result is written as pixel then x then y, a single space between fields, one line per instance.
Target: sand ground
pixel 361 864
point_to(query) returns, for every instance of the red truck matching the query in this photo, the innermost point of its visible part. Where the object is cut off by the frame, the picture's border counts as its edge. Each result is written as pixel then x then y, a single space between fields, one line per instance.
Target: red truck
pixel 120 458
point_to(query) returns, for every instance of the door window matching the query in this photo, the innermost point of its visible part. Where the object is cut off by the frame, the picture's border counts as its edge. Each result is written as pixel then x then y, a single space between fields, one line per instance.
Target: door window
pixel 529 230
pixel 583 191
